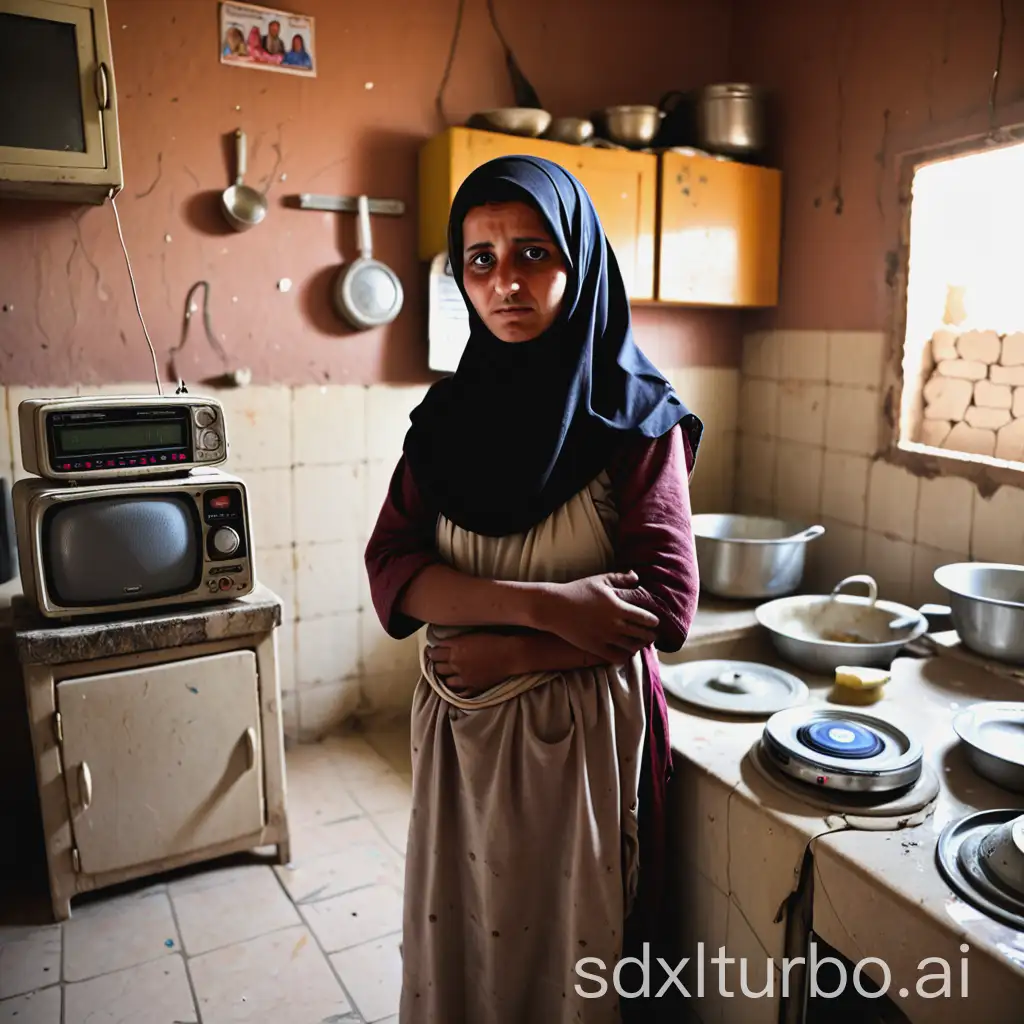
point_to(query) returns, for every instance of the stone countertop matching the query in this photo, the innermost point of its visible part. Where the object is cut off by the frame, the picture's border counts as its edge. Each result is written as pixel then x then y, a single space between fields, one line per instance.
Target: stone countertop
pixel 894 872
pixel 40 641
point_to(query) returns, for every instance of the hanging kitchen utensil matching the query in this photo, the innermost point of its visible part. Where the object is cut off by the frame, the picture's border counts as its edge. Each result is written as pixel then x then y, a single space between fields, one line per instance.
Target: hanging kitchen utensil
pixel 367 293
pixel 229 378
pixel 525 94
pixel 243 206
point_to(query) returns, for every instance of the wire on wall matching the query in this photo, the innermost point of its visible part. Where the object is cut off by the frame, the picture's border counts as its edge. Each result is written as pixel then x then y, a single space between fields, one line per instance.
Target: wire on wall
pixel 135 294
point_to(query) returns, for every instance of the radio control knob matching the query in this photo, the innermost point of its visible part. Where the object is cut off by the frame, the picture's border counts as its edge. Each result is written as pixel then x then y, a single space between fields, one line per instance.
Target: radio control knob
pixel 210 440
pixel 205 416
pixel 225 540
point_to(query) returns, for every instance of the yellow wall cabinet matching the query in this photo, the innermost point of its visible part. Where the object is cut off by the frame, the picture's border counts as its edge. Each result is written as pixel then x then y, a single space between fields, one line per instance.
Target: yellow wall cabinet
pixel 59 135
pixel 687 230
pixel 719 226
pixel 622 185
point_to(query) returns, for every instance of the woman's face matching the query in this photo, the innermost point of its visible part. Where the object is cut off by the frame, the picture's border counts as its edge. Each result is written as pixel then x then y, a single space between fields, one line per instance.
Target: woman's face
pixel 514 273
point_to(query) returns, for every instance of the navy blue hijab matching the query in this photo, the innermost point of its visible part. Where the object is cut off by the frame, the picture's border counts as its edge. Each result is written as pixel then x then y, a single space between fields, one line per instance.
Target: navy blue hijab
pixel 522 427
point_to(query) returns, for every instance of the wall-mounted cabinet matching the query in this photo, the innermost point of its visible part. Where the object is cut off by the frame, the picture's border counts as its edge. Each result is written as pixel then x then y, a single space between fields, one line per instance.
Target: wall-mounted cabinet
pixel 687 230
pixel 58 107
pixel 622 185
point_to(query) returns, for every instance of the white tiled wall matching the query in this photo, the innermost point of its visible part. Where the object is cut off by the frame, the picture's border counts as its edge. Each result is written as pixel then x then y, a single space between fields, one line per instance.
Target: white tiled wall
pixel 809 428
pixel 317 462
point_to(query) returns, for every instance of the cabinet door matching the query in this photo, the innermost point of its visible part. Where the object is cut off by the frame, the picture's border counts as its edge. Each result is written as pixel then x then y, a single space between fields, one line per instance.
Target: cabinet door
pixel 622 185
pixel 49 111
pixel 719 232
pixel 162 760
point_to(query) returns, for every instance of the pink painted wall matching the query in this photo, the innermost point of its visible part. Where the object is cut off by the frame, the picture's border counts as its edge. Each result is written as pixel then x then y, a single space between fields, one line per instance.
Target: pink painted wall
pixel 855 84
pixel 73 317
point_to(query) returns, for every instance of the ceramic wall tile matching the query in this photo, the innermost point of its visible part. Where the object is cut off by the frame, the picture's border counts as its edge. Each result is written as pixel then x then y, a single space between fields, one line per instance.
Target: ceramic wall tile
pixel 892 501
pixel 926 560
pixel 329 423
pixel 330 503
pixel 755 477
pixel 711 392
pixel 326 649
pixel 379 473
pixel 387 419
pixel 802 412
pixel 804 355
pixel 944 512
pixel 327 706
pixel 389 694
pixel 275 568
pixel 856 358
pixel 758 414
pixel 381 652
pixel 844 492
pixel 762 354
pixel 853 420
pixel 997 531
pixel 838 553
pixel 328 578
pixel 713 482
pixel 798 475
pixel 890 562
pixel 270 506
pixel 259 425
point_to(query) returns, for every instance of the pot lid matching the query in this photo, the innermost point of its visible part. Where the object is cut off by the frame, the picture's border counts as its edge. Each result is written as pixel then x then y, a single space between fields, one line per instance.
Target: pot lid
pixel 981 857
pixel 995 728
pixel 734 687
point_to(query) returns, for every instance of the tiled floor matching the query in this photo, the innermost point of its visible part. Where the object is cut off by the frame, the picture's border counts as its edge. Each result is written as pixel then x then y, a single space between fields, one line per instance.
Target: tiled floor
pixel 241 941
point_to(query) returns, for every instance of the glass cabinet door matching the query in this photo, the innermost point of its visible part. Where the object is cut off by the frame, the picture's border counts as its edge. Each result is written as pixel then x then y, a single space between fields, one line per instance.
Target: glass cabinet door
pixel 50 84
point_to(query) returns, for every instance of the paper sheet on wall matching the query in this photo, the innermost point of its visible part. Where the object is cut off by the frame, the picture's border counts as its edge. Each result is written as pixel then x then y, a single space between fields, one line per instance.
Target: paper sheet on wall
pixel 448 328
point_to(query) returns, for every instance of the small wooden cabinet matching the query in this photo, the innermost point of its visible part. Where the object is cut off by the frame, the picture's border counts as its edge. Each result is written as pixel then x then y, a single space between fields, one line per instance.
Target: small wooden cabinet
pixel 622 186
pixel 718 232
pixel 58 106
pixel 157 740
pixel 686 229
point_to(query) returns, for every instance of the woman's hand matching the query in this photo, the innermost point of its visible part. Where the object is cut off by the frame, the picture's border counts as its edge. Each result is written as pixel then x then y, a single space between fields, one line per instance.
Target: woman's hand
pixel 474 662
pixel 595 614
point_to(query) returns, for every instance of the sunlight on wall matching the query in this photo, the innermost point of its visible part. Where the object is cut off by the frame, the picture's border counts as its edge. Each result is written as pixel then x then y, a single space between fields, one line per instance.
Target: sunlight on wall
pixel 965 277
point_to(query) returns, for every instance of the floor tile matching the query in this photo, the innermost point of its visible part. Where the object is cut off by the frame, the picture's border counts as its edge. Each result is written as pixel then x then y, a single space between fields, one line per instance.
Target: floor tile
pixel 156 993
pixel 316 788
pixel 278 977
pixel 251 905
pixel 372 974
pixel 394 744
pixel 203 877
pixel 108 936
pixel 42 1007
pixel 352 757
pixel 355 918
pixel 29 960
pixel 395 826
pixel 378 794
pixel 363 858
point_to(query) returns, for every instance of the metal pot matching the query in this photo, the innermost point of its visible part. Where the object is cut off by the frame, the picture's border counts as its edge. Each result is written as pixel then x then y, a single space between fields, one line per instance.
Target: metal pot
pixel 731 119
pixel 632 125
pixel 751 556
pixel 987 605
pixel 809 630
pixel 992 733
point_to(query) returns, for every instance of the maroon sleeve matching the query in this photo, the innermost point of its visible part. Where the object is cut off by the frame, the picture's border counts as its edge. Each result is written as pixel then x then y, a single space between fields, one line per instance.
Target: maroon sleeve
pixel 402 544
pixel 655 537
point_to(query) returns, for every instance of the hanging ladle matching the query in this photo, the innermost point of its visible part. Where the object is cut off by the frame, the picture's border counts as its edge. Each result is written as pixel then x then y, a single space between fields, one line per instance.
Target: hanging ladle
pixel 244 207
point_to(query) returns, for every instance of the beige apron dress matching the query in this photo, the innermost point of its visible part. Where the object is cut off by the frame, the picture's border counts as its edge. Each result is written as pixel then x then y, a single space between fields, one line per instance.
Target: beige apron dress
pixel 522 853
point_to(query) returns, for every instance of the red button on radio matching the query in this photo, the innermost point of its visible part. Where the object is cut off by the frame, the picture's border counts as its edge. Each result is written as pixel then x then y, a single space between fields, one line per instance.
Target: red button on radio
pixel 225 583
pixel 221 501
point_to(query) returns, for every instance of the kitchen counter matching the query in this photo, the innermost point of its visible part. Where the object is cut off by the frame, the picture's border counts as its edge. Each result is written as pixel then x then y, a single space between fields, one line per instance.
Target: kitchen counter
pixel 875 893
pixel 41 641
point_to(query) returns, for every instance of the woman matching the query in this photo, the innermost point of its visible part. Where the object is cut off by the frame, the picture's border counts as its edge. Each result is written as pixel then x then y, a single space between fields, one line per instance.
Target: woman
pixel 538 521
pixel 297 56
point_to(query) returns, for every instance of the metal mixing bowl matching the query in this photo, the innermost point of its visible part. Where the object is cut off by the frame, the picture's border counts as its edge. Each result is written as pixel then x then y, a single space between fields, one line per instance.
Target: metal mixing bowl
pixel 632 125
pixel 526 121
pixel 987 604
pixel 572 130
pixel 748 557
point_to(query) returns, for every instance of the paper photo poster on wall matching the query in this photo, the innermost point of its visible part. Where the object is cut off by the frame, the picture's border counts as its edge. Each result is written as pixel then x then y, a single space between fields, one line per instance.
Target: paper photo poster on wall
pixel 267 39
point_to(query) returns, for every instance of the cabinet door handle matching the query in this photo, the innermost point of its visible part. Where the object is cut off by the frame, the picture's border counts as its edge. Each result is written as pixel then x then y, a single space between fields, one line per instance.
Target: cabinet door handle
pixel 85 785
pixel 102 87
pixel 250 748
